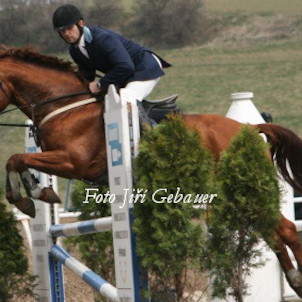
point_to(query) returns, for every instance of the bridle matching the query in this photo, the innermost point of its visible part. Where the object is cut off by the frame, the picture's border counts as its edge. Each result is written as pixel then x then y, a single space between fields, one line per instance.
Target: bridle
pixel 34 106
pixel 33 127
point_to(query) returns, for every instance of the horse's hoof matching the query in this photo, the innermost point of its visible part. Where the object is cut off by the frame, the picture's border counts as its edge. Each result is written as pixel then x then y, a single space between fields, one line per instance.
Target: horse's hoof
pixel 49 196
pixel 26 206
pixel 294 278
pixel 298 291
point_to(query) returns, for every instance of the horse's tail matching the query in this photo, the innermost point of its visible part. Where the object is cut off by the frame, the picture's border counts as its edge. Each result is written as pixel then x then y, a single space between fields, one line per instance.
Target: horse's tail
pixel 286 147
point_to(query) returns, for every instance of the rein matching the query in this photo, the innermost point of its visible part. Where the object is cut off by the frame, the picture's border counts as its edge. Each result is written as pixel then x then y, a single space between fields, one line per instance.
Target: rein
pixel 33 128
pixel 33 106
pixel 15 125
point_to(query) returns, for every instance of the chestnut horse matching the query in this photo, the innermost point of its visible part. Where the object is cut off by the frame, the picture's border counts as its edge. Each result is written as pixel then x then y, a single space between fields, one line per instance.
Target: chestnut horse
pixel 73 141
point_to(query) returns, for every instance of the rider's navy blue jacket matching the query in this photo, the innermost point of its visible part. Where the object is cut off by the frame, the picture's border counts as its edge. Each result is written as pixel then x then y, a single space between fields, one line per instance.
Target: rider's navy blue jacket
pixel 120 59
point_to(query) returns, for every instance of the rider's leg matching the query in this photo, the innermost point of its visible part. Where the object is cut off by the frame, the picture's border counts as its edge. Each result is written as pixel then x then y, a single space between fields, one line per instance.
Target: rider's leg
pixel 138 90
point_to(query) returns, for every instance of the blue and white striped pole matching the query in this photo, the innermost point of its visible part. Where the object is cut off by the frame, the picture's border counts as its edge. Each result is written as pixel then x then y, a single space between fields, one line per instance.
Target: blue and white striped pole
pixel 80 228
pixel 94 280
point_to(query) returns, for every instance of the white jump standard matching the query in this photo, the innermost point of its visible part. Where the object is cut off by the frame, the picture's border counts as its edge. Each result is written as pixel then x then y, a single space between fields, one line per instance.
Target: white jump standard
pixel 122 136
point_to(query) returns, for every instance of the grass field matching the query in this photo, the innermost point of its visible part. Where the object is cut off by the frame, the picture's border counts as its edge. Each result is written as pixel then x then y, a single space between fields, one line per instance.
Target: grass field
pixel 252 6
pixel 205 76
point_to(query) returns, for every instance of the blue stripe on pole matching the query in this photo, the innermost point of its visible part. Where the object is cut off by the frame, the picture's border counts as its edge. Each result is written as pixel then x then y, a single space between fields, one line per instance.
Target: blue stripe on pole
pixel 87 227
pixel 59 253
pixel 79 228
pixel 93 279
pixel 57 230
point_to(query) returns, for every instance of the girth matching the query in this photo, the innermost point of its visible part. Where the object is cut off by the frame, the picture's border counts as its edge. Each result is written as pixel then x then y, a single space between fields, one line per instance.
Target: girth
pixel 66 108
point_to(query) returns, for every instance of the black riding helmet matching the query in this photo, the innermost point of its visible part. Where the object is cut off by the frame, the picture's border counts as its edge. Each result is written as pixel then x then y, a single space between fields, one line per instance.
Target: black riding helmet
pixel 65 16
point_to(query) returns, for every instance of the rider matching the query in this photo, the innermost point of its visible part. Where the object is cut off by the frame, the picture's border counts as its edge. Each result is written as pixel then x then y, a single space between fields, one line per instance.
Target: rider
pixel 123 62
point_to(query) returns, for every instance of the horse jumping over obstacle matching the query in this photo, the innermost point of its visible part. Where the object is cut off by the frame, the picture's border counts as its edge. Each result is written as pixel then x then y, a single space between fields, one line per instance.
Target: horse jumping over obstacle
pixel 73 139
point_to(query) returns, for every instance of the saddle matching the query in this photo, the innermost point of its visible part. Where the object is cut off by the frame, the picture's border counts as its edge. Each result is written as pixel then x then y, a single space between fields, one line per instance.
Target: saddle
pixel 151 112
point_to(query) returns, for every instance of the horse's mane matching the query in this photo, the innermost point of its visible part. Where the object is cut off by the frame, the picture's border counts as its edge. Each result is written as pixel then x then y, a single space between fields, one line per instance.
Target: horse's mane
pixel 28 54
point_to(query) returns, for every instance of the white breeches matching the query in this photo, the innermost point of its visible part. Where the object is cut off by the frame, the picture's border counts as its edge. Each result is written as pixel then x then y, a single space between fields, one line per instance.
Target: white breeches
pixel 138 90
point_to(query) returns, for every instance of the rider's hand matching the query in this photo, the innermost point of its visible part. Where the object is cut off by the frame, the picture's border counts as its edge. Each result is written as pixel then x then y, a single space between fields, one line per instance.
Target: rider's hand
pixel 94 87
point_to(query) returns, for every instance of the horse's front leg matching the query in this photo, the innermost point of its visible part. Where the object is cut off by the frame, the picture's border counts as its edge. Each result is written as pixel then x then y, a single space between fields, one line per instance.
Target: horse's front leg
pixel 14 196
pixel 53 162
pixel 33 189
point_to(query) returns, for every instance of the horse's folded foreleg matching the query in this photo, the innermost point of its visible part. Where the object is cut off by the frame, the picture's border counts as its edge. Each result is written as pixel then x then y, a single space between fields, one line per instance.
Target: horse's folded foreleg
pixel 14 196
pixel 19 164
pixel 30 184
pixel 34 190
pixel 13 186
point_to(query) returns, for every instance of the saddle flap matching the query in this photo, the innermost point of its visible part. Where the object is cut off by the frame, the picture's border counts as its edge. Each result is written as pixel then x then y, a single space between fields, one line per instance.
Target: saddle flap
pixel 152 112
pixel 168 103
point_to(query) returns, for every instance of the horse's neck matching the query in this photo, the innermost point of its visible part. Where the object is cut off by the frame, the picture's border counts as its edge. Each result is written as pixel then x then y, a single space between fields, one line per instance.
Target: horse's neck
pixel 29 85
pixel 45 85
